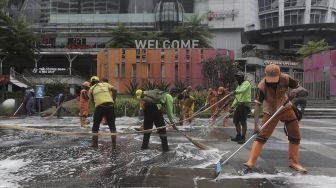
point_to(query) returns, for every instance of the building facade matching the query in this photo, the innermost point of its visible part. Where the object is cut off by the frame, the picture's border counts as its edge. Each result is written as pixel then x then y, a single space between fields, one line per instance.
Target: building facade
pixel 123 66
pixel 259 32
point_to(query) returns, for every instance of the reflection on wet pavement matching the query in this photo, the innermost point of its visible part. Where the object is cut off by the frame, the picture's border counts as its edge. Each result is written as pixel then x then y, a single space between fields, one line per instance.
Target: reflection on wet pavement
pixel 29 159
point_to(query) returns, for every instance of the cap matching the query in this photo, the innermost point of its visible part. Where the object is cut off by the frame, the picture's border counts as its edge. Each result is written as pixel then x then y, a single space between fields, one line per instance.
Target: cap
pixel 272 73
pixel 86 84
pixel 138 93
pixel 94 78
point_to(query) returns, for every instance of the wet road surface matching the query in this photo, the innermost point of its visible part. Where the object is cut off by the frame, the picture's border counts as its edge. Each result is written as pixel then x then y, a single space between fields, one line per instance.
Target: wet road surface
pixel 29 159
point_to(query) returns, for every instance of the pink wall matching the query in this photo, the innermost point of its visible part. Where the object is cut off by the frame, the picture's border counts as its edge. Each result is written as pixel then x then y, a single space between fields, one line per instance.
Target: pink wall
pixel 196 67
pixel 209 53
pixel 231 54
pixel 333 73
pixel 182 64
pixel 316 65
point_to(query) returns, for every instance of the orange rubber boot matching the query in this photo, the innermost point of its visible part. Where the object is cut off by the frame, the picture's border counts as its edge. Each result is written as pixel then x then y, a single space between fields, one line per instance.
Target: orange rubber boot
pixel 254 154
pixel 293 161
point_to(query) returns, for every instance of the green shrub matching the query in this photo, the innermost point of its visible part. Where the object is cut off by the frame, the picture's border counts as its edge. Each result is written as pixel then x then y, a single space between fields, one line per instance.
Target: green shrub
pixel 53 89
pixel 128 101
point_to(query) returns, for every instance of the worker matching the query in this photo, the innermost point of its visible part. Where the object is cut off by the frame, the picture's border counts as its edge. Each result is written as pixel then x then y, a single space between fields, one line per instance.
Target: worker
pixel 104 107
pixel 155 100
pixel 272 94
pixel 84 101
pixel 241 106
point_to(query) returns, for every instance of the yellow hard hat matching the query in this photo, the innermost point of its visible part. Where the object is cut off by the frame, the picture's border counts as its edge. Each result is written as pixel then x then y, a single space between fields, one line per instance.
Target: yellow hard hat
pixel 138 93
pixel 94 78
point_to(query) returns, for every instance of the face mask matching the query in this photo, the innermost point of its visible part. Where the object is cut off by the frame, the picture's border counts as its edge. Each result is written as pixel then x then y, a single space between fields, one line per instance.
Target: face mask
pixel 271 85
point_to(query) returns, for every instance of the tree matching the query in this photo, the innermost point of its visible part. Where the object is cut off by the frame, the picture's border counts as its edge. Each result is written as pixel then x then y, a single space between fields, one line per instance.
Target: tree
pixel 16 38
pixel 193 29
pixel 312 47
pixel 122 37
pixel 219 71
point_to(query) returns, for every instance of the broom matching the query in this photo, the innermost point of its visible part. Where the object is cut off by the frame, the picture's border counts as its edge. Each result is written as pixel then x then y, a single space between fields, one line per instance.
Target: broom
pixel 18 109
pixel 197 144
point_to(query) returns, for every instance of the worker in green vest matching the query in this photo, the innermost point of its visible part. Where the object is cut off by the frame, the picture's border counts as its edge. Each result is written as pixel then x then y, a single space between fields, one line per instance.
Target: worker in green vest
pixel 154 102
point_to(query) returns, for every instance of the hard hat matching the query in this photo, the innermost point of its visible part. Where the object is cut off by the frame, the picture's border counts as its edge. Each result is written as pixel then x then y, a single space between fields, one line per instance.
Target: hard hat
pixel 94 78
pixel 86 84
pixel 272 73
pixel 138 93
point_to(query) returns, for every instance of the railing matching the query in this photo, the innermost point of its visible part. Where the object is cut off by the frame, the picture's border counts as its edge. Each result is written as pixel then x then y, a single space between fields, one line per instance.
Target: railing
pixel 20 77
pixel 317 88
pixel 65 78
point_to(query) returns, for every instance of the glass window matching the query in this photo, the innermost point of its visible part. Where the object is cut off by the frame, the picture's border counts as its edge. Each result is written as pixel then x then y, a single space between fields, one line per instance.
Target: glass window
pixel 317 16
pixel 87 6
pixel 63 6
pixel 333 17
pixel 268 4
pixel 188 5
pixel 294 17
pixel 319 2
pixel 74 7
pixel 269 20
pixel 294 3
pixel 293 43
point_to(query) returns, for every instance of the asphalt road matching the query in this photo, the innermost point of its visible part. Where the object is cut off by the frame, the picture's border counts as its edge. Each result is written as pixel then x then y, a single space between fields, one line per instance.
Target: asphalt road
pixel 29 159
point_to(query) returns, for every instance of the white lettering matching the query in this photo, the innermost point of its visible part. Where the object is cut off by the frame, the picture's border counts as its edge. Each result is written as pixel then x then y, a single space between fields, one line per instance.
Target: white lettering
pixel 185 44
pixel 151 43
pixel 140 43
pixel 175 44
pixel 195 43
pixel 166 44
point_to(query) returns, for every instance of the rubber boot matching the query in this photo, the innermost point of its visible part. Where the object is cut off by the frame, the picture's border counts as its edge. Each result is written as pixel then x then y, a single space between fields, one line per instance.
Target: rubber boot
pixel 94 143
pixel 83 122
pixel 237 138
pixel 114 141
pixel 145 141
pixel 254 154
pixel 164 143
pixel 242 139
pixel 293 161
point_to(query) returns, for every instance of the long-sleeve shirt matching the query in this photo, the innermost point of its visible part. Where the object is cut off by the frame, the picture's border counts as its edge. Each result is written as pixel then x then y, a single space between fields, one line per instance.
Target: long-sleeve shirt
pixel 242 94
pixel 168 102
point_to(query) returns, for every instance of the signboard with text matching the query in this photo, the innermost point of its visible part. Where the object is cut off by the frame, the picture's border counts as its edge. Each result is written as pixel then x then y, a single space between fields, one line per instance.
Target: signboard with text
pixel 39 91
pixel 50 70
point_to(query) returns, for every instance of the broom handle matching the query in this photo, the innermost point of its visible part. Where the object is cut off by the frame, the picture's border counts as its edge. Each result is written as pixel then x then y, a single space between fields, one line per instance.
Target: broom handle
pixel 255 134
pixel 18 109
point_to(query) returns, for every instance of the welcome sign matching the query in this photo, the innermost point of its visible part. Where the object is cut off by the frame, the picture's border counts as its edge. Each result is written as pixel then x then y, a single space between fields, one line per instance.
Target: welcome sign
pixel 142 44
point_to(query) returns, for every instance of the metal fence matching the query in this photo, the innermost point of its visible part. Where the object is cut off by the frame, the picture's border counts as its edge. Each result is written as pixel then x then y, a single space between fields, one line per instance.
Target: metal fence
pixel 317 85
